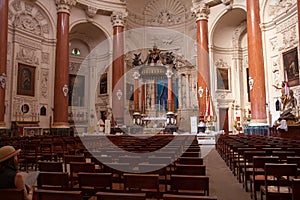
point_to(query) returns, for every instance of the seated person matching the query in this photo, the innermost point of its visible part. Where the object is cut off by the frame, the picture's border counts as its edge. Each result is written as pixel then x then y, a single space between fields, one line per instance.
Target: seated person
pixel 9 177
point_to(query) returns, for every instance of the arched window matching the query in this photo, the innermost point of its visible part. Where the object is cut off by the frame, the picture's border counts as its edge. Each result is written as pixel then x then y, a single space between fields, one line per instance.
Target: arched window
pixel 75 52
pixel 103 84
pixel 43 111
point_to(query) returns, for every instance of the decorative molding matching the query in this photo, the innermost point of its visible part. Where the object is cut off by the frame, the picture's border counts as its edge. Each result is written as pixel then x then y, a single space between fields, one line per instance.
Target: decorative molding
pixel 17 5
pixel 28 17
pixel 274 43
pixel 118 18
pixel 200 10
pixel 240 29
pixel 277 7
pixel 287 24
pixel 74 67
pixel 44 83
pixel 220 63
pixel 3 80
pixel 45 57
pixel 65 5
pixel 164 12
pixel 28 23
pixel 27 55
pixel 91 11
pixel 26 42
pixel 289 38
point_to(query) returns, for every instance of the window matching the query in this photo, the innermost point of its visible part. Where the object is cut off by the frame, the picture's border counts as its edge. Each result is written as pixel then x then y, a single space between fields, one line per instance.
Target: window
pixel 75 52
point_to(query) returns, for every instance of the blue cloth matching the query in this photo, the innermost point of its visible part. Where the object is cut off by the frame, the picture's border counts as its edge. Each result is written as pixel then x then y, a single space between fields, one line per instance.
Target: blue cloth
pixel 7 178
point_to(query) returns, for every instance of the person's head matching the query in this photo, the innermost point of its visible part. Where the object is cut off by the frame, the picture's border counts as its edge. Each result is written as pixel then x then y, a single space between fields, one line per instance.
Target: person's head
pixel 8 157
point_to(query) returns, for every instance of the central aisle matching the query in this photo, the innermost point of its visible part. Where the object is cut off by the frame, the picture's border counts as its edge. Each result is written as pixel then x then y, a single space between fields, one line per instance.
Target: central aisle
pixel 222 183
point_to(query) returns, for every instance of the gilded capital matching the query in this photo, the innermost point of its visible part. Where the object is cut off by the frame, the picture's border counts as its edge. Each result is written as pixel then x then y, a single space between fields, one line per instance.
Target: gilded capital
pixel 65 5
pixel 118 18
pixel 200 11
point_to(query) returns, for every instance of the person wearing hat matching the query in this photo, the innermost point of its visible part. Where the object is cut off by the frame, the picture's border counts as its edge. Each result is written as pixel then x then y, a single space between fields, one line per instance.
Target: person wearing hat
pixel 9 177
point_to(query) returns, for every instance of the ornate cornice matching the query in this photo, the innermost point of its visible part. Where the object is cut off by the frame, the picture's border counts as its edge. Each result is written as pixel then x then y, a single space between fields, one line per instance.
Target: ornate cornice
pixel 200 10
pixel 65 5
pixel 118 18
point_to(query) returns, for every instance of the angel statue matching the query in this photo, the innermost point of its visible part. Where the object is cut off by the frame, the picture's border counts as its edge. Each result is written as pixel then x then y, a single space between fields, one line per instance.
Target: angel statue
pixel 137 60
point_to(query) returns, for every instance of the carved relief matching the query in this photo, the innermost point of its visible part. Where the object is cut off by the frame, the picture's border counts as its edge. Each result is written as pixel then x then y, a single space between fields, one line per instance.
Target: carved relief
pixel 27 17
pixel 45 57
pixel 275 71
pixel 220 63
pixel 8 48
pixel 39 16
pixel 28 23
pixel 289 38
pixel 28 7
pixel 44 83
pixel 74 67
pixel 27 55
pixel 10 15
pixel 237 33
pixel 278 7
pixel 91 11
pixel 17 5
pixel 164 12
pixel 274 43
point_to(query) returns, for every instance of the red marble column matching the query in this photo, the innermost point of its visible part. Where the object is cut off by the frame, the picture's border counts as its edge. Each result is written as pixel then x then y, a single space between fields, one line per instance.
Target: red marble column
pixel 118 68
pixel 201 11
pixel 298 4
pixel 256 63
pixel 143 102
pixel 136 76
pixel 3 56
pixel 170 89
pixel 60 118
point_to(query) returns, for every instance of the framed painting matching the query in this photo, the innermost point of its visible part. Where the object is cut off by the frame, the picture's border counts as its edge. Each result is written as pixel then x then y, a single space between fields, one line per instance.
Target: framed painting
pixel 222 79
pixel 129 91
pixel 291 68
pixel 76 90
pixel 26 80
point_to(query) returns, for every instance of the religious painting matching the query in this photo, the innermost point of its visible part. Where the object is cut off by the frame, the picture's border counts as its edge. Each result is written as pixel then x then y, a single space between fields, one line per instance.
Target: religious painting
pixel 129 91
pixel 291 68
pixel 103 84
pixel 76 90
pixel 26 80
pixel 222 79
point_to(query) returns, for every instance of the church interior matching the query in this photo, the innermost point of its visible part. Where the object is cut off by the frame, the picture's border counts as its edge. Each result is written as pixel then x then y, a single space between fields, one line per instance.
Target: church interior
pixel 149 99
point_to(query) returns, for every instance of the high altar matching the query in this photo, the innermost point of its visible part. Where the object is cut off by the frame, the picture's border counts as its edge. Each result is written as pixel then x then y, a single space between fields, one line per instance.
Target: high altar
pixel 156 79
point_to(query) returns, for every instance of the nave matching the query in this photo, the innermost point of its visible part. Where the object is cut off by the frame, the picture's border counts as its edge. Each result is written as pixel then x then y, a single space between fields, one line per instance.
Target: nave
pixel 234 170
pixel 158 167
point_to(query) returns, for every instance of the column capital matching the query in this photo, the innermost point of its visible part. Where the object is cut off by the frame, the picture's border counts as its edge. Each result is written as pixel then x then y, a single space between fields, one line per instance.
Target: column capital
pixel 200 10
pixel 136 75
pixel 118 18
pixel 65 5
